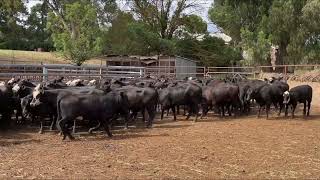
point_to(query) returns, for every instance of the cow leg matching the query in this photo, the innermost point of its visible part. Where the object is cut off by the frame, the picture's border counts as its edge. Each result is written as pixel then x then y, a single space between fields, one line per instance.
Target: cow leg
pixel 17 117
pixel 162 112
pixel 222 108
pixel 132 116
pixel 143 112
pixel 32 119
pixel 304 108
pixel 107 128
pixel 260 107
pixel 204 110
pixel 293 109
pixel 267 110
pixel 178 110
pixel 229 107
pixel 286 110
pixel 196 111
pixel 151 113
pixel 174 113
pixel 309 105
pixel 168 112
pixel 64 128
pixel 41 126
pixel 190 111
pixel 74 126
pixel 126 125
pixel 53 121
pixel 281 106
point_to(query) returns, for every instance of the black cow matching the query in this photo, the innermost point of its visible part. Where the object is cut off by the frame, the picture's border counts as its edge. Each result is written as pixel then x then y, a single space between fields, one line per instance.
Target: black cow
pixel 39 112
pixel 141 99
pixel 91 107
pixel 187 94
pixel 221 95
pixel 281 84
pixel 50 97
pixel 266 95
pixel 298 94
pixel 6 105
pixel 245 92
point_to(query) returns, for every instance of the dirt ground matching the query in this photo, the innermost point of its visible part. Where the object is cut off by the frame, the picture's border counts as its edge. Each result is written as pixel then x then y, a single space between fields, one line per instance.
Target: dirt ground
pixel 242 147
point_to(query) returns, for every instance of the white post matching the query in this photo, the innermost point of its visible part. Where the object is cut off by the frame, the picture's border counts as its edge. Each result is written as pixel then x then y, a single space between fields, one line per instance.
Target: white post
pixel 45 74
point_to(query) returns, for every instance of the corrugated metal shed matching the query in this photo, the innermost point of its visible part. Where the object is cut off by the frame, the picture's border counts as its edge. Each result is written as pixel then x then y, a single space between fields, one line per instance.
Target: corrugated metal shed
pixel 185 67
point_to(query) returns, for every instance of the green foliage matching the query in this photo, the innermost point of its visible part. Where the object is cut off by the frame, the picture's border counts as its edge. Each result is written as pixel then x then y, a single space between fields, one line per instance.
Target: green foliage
pixel 12 33
pixel 257 47
pixel 195 24
pixel 38 35
pixel 148 42
pixel 211 51
pixel 80 39
pixel 256 25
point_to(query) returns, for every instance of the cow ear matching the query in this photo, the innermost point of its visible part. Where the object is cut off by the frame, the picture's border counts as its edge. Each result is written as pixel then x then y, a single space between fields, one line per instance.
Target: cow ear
pixel 23 86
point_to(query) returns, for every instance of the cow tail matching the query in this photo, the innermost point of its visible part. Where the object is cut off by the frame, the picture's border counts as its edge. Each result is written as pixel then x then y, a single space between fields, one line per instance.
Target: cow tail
pixel 58 115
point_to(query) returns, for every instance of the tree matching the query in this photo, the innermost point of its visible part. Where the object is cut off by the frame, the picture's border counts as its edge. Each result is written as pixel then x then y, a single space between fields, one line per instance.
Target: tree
pixel 211 51
pixel 116 37
pixel 36 24
pixel 163 17
pixel 256 25
pixel 75 29
pixel 12 33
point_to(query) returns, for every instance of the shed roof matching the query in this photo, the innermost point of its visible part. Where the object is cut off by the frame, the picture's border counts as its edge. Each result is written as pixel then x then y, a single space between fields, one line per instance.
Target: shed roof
pixel 144 59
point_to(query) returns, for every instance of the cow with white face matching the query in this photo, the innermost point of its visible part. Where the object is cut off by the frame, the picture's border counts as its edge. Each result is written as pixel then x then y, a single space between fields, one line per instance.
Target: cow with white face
pixel 92 82
pixel 36 95
pixel 75 82
pixel 298 94
pixel 12 81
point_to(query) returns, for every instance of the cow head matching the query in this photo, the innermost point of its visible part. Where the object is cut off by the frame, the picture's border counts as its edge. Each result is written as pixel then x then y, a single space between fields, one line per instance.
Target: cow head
pixel 36 95
pixel 13 81
pixel 286 97
pixel 24 106
pixel 248 95
pixel 16 88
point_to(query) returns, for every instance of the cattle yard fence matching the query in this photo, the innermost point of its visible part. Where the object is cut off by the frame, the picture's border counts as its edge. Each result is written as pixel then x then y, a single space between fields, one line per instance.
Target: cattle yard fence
pixel 51 71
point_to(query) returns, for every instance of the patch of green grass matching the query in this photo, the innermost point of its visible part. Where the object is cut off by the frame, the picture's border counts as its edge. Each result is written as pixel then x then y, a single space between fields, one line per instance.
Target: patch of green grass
pixel 34 57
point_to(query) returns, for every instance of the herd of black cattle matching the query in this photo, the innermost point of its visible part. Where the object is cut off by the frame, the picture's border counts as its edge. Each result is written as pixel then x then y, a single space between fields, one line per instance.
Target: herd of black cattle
pixel 101 103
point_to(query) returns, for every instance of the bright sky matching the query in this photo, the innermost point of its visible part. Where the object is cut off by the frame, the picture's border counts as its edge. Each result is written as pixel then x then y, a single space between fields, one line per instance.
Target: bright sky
pixel 201 11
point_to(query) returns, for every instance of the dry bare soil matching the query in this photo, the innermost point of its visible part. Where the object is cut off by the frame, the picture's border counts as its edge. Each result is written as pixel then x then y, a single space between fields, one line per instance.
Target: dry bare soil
pixel 243 147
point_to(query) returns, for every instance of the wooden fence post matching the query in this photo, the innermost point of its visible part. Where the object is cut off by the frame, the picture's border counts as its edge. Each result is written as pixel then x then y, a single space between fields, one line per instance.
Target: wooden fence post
pixel 141 72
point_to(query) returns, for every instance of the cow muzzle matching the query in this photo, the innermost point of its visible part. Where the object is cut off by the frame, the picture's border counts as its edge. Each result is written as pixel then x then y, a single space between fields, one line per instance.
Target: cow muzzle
pixel 34 103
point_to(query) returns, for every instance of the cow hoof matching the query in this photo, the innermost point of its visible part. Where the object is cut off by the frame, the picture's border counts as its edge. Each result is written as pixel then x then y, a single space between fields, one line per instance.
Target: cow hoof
pixel 40 132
